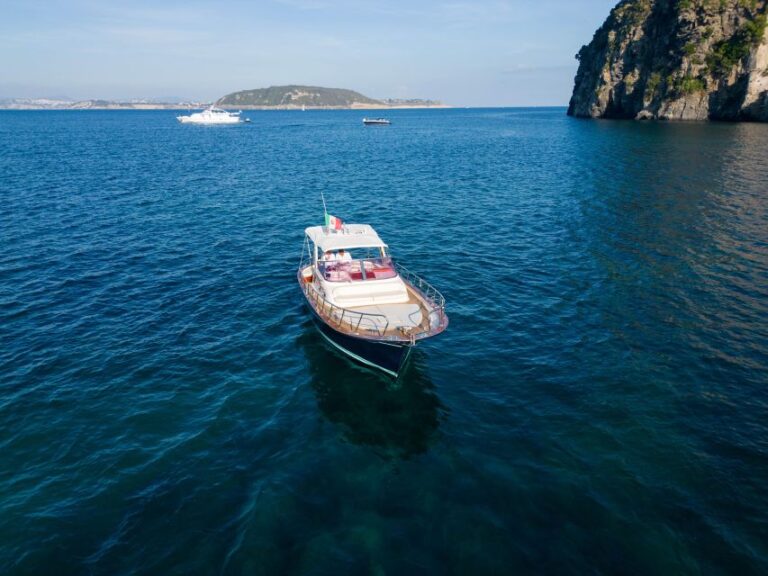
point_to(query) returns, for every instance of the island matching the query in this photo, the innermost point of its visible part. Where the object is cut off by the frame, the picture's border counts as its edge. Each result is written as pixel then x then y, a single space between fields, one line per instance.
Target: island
pixel 314 97
pixel 676 60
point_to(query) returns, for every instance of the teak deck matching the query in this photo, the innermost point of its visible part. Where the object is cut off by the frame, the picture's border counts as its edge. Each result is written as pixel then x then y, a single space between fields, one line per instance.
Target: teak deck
pixel 362 321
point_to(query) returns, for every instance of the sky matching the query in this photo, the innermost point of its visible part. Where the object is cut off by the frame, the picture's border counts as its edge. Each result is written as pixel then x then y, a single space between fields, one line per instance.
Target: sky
pixel 481 53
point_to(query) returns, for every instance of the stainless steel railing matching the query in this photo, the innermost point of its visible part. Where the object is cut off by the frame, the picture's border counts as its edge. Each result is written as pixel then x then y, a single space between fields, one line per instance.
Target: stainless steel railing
pixel 433 298
pixel 358 322
pixel 376 325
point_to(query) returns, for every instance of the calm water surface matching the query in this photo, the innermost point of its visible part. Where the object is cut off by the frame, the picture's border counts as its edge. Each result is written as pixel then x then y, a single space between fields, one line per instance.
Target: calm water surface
pixel 598 404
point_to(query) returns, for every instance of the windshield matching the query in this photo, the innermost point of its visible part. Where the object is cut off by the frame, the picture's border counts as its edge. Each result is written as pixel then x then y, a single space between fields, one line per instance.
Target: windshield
pixel 356 266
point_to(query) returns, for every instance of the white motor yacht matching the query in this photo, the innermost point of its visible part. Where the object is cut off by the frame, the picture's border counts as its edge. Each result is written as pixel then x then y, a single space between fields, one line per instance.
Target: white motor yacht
pixel 211 115
pixel 363 303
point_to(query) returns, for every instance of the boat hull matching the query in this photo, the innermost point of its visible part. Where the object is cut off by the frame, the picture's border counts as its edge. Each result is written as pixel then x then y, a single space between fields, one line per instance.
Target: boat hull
pixel 187 120
pixel 390 357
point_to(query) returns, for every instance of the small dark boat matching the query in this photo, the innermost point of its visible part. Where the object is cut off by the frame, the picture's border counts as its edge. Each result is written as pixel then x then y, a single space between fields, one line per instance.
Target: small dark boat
pixel 376 121
pixel 362 302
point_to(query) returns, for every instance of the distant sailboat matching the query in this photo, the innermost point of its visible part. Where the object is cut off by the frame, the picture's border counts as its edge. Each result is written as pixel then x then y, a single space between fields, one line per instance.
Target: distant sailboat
pixel 303 108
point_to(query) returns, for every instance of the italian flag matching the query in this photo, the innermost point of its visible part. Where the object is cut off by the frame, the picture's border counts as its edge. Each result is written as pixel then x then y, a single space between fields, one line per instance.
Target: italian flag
pixel 332 222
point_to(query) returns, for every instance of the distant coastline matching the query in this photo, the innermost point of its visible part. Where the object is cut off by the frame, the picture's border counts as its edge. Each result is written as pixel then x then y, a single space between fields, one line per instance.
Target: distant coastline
pixel 291 97
pixel 36 104
pixel 20 106
pixel 53 104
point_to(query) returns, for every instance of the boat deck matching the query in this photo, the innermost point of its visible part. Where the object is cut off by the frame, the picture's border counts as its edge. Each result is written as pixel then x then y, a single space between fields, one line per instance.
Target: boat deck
pixel 403 322
pixel 414 312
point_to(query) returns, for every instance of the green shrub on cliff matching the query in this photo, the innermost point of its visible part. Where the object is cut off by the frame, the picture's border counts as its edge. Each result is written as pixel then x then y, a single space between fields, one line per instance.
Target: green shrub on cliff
pixel 727 53
pixel 631 13
pixel 689 85
pixel 755 29
pixel 651 85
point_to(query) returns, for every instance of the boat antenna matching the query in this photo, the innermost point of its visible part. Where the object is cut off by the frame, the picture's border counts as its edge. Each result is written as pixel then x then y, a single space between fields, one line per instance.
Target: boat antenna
pixel 325 210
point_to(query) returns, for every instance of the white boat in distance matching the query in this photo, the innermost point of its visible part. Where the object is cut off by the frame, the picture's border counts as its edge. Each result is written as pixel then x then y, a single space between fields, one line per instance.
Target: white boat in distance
pixel 211 115
pixel 375 121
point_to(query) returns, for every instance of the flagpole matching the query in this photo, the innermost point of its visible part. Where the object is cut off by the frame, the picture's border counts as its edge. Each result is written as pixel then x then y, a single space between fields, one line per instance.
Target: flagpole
pixel 325 212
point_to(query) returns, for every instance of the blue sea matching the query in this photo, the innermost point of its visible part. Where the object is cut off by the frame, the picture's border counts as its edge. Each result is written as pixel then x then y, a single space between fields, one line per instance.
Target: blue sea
pixel 598 404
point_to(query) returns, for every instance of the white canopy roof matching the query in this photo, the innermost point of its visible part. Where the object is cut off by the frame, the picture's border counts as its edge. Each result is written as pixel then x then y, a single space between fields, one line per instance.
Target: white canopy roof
pixel 350 236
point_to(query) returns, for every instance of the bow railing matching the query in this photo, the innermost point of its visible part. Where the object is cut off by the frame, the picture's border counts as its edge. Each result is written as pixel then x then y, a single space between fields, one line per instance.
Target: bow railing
pixel 371 325
pixel 432 297
pixel 363 323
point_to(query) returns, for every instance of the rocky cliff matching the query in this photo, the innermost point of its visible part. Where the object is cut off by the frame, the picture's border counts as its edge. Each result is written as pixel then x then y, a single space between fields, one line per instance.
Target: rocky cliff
pixel 676 60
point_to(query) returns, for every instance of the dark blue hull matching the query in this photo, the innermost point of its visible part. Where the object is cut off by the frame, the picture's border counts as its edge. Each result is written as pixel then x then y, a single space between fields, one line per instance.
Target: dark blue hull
pixel 390 357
